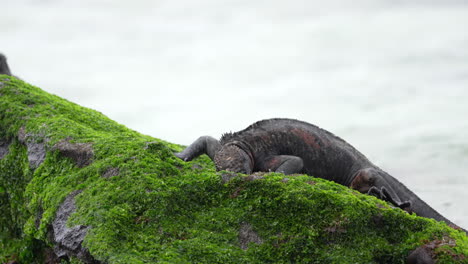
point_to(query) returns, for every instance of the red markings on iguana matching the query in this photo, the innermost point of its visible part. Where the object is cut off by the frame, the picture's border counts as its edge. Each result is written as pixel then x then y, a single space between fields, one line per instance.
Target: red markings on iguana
pixel 291 146
pixel 273 163
pixel 308 138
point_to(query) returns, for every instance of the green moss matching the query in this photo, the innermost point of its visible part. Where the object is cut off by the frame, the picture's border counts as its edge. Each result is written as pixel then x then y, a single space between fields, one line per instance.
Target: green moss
pixel 155 208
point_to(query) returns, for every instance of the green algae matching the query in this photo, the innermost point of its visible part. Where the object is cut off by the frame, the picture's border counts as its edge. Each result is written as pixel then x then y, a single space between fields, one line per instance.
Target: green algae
pixel 145 206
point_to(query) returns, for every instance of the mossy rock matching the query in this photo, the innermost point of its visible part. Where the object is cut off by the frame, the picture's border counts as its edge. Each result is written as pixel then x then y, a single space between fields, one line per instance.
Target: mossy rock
pixel 133 201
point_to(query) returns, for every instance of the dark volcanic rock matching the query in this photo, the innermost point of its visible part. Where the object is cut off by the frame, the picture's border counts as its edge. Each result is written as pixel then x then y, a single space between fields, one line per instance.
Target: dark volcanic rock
pixel 50 257
pixel 427 254
pixel 80 153
pixel 248 235
pixel 421 255
pixel 68 240
pixel 111 172
pixel 4 145
pixel 227 176
pixel 37 221
pixel 36 149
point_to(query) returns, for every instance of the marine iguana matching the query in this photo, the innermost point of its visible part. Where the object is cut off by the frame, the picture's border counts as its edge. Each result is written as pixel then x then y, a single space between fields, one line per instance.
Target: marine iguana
pixel 291 146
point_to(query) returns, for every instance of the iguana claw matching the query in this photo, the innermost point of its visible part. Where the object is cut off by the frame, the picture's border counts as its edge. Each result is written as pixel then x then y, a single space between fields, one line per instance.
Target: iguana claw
pixel 385 195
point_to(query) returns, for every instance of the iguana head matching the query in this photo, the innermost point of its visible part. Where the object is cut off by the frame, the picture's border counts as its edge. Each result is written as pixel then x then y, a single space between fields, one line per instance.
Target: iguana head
pixel 232 158
pixel 365 179
pixel 370 177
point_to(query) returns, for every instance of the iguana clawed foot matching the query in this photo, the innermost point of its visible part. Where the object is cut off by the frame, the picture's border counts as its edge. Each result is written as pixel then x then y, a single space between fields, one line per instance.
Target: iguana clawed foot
pixel 383 194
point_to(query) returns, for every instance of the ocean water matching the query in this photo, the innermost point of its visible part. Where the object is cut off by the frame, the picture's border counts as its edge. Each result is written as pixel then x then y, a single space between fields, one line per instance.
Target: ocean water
pixel 390 77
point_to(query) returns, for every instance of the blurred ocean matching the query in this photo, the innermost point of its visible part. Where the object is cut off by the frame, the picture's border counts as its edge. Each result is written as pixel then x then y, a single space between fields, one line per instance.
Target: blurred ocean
pixel 390 77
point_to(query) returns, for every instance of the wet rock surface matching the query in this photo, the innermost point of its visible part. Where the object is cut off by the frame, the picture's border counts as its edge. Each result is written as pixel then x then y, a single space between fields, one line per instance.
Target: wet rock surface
pixel 426 254
pixel 68 241
pixel 50 257
pixel 247 235
pixel 81 153
pixel 421 255
pixel 228 176
pixel 36 148
pixel 4 145
pixel 111 172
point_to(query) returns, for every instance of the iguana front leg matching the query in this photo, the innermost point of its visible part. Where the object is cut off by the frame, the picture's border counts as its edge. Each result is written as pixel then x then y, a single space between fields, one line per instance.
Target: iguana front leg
pixel 283 164
pixel 203 145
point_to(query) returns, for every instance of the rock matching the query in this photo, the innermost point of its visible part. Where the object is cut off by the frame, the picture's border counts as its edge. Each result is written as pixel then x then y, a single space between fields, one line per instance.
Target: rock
pixel 161 209
pixel 68 241
pixel 35 145
pixel 4 145
pixel 421 255
pixel 111 172
pixel 227 176
pixel 80 153
pixel 247 235
pixel 50 257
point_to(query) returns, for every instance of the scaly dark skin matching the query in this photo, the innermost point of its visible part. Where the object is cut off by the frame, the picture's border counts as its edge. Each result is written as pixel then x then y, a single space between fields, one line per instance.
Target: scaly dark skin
pixel 4 69
pixel 291 146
